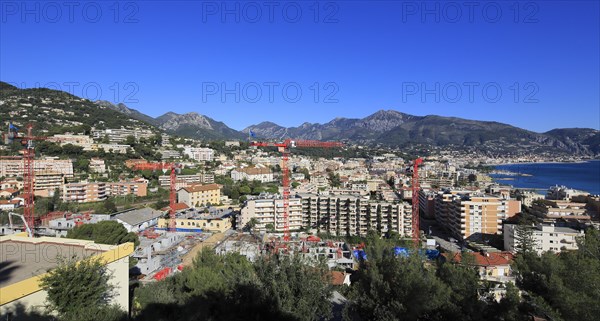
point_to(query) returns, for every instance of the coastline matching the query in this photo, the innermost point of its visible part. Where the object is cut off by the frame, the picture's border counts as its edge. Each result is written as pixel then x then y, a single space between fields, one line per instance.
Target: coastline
pixel 580 175
pixel 544 162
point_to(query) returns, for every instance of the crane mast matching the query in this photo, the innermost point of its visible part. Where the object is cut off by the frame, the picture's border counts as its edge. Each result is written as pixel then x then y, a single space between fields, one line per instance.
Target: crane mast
pixel 415 202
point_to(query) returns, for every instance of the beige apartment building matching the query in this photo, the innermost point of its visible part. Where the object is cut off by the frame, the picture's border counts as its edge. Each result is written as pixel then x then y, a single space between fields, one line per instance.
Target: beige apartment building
pixel 263 175
pixel 182 181
pixel 84 192
pixel 473 215
pixel 45 183
pixel 200 195
pixel 138 188
pixel 14 167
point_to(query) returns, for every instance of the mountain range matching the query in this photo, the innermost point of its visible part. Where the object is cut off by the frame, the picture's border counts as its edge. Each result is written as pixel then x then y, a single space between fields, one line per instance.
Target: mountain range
pixel 392 128
pixel 385 127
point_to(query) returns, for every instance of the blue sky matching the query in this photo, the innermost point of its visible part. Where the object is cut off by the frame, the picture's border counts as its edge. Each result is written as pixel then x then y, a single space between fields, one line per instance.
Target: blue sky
pixel 535 65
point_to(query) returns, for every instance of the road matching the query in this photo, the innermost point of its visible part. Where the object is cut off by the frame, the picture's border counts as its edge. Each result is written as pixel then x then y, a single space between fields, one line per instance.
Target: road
pixel 432 230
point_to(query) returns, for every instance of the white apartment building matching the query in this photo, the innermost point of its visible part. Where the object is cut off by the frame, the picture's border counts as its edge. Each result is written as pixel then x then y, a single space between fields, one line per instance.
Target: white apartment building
pixel 112 148
pixel 270 211
pixel 76 140
pixel 120 135
pixel 547 238
pixel 338 215
pixel 182 181
pixel 201 154
pixel 253 174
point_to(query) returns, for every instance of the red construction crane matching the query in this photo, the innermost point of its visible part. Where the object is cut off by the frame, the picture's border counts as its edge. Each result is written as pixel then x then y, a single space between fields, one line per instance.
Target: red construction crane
pixel 284 149
pixel 164 167
pixel 28 171
pixel 29 174
pixel 415 202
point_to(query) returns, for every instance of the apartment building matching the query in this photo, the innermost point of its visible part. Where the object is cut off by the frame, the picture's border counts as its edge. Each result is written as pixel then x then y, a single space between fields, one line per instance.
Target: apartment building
pixel 45 183
pixel 338 215
pixel 112 148
pixel 270 211
pixel 552 210
pixel 120 135
pixel 427 203
pixel 97 165
pixel 84 192
pixel 187 180
pixel 77 140
pixel 472 215
pixel 14 167
pixel 252 174
pixel 201 154
pixel 137 187
pixel 199 195
pixel 547 237
pixel 351 215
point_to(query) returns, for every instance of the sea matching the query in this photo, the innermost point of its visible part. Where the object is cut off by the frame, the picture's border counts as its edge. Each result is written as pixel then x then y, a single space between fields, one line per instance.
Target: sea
pixel 583 176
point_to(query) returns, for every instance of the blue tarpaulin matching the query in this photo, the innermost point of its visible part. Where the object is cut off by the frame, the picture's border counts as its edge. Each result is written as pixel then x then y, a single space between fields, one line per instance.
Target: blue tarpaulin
pixel 360 254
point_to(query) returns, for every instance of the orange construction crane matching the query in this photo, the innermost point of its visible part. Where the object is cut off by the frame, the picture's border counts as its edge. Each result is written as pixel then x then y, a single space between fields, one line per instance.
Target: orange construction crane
pixel 415 202
pixel 164 167
pixel 284 149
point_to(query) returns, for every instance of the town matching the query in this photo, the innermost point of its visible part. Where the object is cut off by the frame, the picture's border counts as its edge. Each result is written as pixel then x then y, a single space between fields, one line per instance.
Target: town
pixel 317 201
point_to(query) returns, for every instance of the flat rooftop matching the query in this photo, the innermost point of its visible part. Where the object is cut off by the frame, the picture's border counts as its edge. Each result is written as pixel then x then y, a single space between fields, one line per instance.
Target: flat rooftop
pixel 21 260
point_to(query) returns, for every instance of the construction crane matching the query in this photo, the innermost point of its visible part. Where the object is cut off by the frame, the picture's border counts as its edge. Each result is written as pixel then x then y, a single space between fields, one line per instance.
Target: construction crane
pixel 415 202
pixel 164 167
pixel 28 170
pixel 284 149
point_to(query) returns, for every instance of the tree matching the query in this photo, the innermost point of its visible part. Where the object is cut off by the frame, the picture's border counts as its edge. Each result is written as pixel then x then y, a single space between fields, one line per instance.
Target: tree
pixel 80 291
pixel 392 182
pixel 334 179
pixel 472 178
pixel 105 232
pixel 395 288
pixel 130 140
pixel 109 206
pixel 524 239
pixel 229 287
pixel 245 190
pixel 270 227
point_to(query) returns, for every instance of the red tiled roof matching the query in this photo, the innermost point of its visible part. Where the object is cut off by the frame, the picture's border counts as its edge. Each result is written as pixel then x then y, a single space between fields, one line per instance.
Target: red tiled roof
pixel 177 207
pixel 337 277
pixel 488 259
pixel 201 188
pixel 255 171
